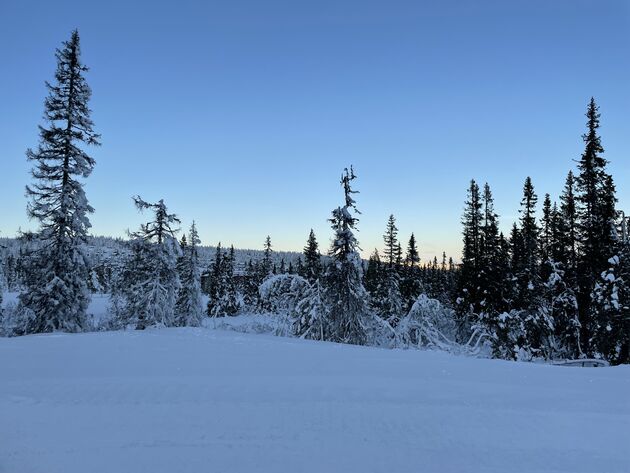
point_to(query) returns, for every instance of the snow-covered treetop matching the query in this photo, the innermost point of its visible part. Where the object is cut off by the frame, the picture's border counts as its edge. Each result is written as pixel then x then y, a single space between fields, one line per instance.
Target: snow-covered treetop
pixel 343 222
pixel 161 227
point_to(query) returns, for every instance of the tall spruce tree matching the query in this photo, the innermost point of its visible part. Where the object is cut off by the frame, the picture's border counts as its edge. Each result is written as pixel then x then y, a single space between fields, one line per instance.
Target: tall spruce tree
pixel 392 248
pixel 469 298
pixel 493 276
pixel 493 266
pixel 535 311
pixel 412 258
pixel 596 217
pixel 345 292
pixel 410 284
pixel 389 300
pixel 57 291
pixel 527 267
pixel 546 229
pixel 312 259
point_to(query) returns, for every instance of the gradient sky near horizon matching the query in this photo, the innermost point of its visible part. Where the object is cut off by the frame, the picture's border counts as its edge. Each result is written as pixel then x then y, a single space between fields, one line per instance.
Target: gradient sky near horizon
pixel 242 114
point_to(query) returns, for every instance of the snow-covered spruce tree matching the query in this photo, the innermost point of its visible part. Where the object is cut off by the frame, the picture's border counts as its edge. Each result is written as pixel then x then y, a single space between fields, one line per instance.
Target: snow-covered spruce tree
pixel 595 194
pixel 561 304
pixel 610 336
pixel 346 297
pixel 311 314
pixel 123 274
pixel 312 268
pixel 559 292
pixel 189 307
pixel 152 294
pixel 215 280
pixel 57 291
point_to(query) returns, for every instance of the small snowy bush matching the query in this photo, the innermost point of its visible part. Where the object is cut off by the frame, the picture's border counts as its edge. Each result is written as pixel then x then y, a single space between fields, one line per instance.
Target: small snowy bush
pixel 429 324
pixel 15 320
pixel 281 293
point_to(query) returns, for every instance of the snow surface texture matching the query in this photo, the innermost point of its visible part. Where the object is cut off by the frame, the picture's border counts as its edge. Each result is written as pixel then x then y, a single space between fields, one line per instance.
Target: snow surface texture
pixel 203 400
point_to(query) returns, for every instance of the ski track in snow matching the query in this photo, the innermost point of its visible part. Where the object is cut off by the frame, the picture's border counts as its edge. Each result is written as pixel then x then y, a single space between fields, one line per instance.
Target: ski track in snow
pixel 203 400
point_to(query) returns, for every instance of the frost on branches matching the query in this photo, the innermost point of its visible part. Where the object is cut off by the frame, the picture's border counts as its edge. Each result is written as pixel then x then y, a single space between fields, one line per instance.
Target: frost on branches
pixel 189 306
pixel 281 293
pixel 223 295
pixel 154 280
pixel 348 312
pixel 427 325
pixel 611 328
pixel 56 292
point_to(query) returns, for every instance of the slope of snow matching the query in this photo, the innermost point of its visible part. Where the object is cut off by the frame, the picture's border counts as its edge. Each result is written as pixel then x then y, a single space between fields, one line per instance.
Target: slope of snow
pixel 202 400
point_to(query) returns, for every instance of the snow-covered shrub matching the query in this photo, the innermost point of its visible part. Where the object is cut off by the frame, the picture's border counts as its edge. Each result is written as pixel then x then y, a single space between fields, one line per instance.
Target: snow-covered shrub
pixel 281 293
pixel 15 320
pixel 428 324
pixel 310 314
pixel 507 334
pixel 253 323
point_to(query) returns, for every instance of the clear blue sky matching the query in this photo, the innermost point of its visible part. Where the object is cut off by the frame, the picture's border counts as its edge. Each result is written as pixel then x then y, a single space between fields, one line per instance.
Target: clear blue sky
pixel 242 114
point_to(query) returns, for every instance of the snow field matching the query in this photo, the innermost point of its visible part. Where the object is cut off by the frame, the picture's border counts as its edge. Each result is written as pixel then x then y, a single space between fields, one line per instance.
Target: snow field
pixel 195 400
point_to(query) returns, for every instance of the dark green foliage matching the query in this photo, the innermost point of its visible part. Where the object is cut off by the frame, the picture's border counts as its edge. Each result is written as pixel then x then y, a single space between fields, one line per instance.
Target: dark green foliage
pixel 223 295
pixel 469 298
pixel 596 215
pixel 312 267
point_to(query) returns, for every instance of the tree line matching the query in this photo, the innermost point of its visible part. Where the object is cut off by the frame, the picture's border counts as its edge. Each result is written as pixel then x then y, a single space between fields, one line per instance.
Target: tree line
pixel 556 286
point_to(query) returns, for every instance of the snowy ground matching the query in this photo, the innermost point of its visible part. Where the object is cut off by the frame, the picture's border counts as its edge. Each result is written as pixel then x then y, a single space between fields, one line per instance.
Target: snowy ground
pixel 203 400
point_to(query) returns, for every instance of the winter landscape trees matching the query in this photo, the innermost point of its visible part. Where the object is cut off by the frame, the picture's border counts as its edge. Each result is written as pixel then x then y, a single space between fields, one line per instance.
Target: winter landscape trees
pixel 555 287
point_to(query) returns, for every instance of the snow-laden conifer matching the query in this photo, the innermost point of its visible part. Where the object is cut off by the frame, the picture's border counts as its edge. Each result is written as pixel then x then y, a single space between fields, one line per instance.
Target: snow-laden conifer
pixel 56 292
pixel 189 307
pixel 154 285
pixel 348 314
pixel 610 335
